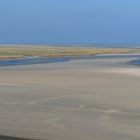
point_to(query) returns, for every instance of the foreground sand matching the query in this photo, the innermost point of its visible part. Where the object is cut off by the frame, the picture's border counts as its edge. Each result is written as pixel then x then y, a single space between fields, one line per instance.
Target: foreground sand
pixel 77 100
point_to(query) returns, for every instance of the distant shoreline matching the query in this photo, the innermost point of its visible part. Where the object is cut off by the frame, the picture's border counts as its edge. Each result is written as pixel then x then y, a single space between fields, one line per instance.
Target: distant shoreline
pixel 93 45
pixel 19 51
pixel 19 55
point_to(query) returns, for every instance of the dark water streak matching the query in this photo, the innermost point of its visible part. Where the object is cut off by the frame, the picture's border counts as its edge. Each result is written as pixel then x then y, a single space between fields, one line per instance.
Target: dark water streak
pixel 13 138
pixel 42 60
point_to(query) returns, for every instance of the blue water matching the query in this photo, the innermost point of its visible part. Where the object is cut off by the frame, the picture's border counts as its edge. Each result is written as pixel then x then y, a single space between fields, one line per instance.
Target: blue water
pixel 42 60
pixel 27 61
pixel 135 62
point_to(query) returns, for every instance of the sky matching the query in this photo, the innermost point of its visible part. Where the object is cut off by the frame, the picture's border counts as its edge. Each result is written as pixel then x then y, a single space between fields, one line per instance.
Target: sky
pixel 69 21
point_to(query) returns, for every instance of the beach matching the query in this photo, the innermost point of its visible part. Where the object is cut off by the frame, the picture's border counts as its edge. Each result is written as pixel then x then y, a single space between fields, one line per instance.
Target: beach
pixel 69 70
pixel 91 99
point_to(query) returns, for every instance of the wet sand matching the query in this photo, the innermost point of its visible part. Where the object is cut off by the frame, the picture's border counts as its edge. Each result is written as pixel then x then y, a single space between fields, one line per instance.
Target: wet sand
pixel 75 100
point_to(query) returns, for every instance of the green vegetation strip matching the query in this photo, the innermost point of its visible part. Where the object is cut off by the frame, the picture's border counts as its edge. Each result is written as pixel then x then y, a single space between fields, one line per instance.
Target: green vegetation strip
pixel 17 52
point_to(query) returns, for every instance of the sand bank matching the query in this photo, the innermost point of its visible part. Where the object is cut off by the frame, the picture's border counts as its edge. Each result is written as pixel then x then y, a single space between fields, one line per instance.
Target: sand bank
pixel 76 100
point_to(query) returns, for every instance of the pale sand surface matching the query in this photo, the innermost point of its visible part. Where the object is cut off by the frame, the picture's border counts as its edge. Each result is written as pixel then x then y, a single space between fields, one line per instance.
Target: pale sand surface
pixel 77 100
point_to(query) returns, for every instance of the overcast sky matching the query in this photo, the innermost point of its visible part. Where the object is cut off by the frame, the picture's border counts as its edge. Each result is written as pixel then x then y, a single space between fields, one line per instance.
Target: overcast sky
pixel 69 21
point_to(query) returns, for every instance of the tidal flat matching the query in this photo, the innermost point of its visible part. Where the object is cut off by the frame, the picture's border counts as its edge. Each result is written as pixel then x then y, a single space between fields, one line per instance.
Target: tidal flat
pixel 91 99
